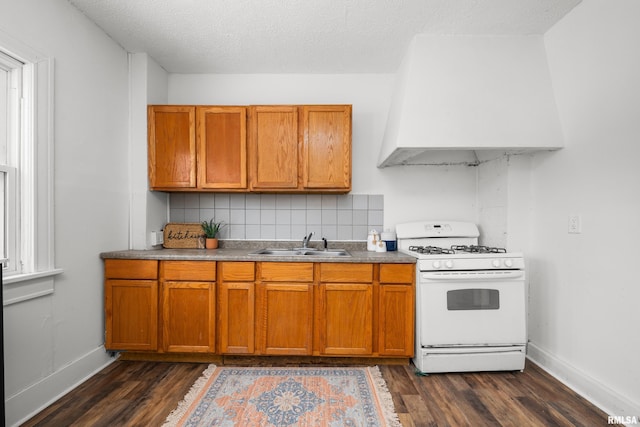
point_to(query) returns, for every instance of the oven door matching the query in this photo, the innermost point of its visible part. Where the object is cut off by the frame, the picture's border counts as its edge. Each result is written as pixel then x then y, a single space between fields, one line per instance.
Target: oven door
pixel 483 308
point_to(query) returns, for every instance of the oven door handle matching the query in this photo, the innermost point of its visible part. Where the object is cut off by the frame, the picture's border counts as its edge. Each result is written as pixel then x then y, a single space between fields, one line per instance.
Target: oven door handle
pixel 473 275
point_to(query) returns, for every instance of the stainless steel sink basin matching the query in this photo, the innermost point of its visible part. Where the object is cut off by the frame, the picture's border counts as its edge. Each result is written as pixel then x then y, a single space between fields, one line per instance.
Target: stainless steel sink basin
pixel 331 252
pixel 280 252
pixel 301 252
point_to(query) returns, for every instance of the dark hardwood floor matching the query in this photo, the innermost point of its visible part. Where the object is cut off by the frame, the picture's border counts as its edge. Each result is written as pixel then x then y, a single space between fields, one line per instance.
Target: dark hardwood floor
pixel 131 393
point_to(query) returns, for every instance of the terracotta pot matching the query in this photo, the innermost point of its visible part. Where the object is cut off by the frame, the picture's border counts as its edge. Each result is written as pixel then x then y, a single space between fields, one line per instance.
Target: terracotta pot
pixel 211 243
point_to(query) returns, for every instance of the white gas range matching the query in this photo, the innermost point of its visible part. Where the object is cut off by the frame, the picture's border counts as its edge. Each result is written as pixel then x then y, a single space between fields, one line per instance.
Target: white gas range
pixel 470 299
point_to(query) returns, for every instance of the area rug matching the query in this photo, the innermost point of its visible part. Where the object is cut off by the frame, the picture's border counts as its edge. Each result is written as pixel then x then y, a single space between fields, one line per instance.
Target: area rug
pixel 301 396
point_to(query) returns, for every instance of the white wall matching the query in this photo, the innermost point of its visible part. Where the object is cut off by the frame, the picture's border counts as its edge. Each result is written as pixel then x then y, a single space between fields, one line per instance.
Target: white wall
pixel 504 202
pixel 157 89
pixel 583 311
pixel 410 193
pixel 149 210
pixel 583 291
pixel 53 342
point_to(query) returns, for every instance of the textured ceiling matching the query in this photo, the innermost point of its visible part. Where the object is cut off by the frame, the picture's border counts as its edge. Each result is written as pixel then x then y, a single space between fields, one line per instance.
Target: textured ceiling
pixel 304 36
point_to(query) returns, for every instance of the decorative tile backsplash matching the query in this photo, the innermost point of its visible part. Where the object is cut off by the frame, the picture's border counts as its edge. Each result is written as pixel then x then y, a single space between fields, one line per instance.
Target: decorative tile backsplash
pixel 282 216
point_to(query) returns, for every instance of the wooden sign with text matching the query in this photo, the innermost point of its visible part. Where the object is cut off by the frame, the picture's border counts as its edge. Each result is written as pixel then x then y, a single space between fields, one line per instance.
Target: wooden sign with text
pixel 183 236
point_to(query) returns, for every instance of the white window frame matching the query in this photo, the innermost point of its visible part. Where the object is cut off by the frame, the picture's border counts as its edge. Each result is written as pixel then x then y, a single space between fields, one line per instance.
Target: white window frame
pixel 31 273
pixel 11 201
pixel 14 73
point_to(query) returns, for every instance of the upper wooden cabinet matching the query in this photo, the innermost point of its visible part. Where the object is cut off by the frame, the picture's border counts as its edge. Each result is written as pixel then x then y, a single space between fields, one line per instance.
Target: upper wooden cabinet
pixel 197 148
pixel 274 147
pixel 300 148
pixel 172 147
pixel 326 148
pixel 222 147
pixel 278 148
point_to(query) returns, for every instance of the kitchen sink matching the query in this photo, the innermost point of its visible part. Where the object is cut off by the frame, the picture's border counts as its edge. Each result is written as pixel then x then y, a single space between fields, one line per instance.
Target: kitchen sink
pixel 332 252
pixel 302 252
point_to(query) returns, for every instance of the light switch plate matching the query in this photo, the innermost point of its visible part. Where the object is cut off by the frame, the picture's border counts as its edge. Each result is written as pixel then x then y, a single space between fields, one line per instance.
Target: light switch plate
pixel 575 224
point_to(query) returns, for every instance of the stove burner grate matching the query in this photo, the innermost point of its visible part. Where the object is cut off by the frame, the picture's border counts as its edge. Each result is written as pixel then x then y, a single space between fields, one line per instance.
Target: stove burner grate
pixel 432 250
pixel 478 249
pixel 473 249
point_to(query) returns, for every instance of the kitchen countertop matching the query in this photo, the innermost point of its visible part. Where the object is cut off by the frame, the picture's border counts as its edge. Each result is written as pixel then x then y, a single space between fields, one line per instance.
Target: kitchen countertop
pixel 241 251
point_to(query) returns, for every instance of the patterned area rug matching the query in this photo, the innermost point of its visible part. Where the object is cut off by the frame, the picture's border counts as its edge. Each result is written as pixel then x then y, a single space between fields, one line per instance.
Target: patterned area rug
pixel 310 396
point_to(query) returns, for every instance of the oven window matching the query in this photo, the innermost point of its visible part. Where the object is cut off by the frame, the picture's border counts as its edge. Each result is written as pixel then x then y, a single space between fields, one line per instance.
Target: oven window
pixel 473 299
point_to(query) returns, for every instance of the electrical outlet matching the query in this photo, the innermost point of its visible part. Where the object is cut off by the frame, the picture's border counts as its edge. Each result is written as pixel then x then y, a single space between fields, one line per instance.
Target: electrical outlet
pixel 157 238
pixel 575 224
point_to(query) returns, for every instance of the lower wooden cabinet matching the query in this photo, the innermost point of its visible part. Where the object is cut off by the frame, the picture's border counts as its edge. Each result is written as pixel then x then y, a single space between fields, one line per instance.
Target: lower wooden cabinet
pixel 285 309
pixel 131 305
pixel 188 304
pixel 396 310
pixel 345 318
pixel 236 302
pixel 395 320
pixel 260 308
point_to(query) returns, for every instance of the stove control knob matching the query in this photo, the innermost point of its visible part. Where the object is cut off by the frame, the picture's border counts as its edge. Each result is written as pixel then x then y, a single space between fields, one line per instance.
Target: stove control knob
pixel 448 263
pixel 508 263
pixel 495 263
pixel 436 264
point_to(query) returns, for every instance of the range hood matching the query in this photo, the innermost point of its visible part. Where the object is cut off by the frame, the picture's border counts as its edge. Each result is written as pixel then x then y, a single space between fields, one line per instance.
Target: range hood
pixel 462 99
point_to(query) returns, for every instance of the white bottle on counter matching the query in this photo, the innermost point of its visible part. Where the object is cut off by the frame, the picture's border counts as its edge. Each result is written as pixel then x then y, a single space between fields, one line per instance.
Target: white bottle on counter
pixel 381 247
pixel 372 240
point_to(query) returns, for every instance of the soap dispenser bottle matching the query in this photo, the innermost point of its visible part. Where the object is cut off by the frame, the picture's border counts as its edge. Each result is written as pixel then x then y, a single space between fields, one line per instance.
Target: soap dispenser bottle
pixel 372 240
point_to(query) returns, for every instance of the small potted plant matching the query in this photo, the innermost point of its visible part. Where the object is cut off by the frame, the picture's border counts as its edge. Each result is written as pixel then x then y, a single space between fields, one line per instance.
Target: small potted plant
pixel 211 230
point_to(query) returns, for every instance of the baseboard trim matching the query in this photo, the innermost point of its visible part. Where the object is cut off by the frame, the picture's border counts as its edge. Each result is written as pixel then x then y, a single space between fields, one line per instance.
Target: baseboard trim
pixel 600 395
pixel 30 401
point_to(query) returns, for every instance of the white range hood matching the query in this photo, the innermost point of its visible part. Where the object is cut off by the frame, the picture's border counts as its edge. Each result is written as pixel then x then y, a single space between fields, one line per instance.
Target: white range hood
pixel 463 99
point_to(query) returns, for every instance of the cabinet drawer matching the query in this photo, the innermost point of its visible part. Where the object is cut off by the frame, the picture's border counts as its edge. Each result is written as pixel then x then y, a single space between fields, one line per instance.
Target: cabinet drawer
pixel 344 272
pixel 237 271
pixel 202 271
pixel 397 273
pixel 130 269
pixel 287 271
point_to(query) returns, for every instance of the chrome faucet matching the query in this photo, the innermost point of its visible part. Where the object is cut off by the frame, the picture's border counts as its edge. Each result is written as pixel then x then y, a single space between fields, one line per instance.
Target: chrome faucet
pixel 306 239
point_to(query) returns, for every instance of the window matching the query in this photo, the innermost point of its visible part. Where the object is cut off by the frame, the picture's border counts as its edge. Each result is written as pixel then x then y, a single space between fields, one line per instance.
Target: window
pixel 10 117
pixel 26 170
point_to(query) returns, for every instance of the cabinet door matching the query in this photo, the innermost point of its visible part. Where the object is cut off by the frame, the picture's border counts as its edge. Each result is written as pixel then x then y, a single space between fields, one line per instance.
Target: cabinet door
pixel 236 318
pixel 346 319
pixel 236 307
pixel 396 307
pixel 286 318
pixel 172 147
pixel 326 148
pixel 131 314
pixel 188 317
pixel 396 320
pixel 273 147
pixel 222 147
